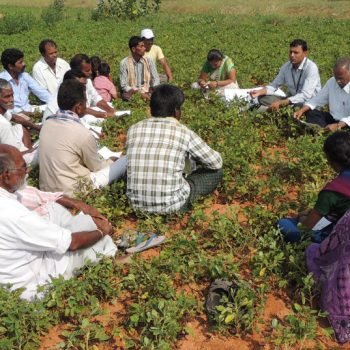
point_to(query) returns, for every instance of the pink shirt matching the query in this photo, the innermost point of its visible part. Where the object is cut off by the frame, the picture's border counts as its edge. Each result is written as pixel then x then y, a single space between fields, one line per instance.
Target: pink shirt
pixel 105 87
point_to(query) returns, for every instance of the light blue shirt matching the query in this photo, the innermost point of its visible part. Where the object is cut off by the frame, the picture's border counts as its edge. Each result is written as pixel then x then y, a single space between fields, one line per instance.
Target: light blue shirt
pixel 26 84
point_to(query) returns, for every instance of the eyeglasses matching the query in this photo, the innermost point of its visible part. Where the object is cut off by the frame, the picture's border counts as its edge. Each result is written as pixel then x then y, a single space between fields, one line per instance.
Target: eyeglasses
pixel 24 168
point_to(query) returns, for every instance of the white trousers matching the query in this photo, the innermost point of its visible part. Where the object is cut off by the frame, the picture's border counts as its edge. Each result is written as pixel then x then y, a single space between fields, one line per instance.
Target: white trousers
pixel 110 173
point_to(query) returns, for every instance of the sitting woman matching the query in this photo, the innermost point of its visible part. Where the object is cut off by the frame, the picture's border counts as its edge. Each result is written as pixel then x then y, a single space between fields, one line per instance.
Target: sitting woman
pixel 218 72
pixel 333 200
pixel 329 262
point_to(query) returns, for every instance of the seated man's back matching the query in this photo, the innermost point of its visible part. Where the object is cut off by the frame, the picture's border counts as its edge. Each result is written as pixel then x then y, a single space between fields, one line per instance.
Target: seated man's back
pixel 157 149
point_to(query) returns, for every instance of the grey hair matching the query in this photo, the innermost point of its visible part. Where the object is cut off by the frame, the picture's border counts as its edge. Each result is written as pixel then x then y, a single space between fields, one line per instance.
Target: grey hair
pixel 6 162
pixel 343 62
pixel 4 84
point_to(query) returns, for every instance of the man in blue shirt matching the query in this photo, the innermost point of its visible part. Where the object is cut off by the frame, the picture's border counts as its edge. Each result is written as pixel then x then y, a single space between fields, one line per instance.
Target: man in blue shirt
pixel 22 83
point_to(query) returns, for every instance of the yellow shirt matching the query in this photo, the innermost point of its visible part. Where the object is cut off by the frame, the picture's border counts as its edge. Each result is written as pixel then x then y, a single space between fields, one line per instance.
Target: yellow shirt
pixel 156 53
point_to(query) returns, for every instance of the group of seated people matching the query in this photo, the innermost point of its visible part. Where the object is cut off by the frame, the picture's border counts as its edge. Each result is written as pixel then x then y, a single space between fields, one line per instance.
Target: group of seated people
pixel 166 166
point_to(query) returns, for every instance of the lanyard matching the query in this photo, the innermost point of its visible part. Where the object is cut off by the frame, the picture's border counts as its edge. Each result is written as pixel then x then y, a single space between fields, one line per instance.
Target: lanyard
pixel 296 86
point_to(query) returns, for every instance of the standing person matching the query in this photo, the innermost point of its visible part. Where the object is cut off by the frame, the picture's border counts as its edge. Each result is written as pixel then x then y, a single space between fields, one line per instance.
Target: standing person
pixel 156 53
pixel 103 83
pixel 21 82
pixel 299 74
pixel 34 249
pixel 138 74
pixel 218 72
pixel 68 151
pixel 333 200
pixel 335 94
pixel 157 149
pixel 50 69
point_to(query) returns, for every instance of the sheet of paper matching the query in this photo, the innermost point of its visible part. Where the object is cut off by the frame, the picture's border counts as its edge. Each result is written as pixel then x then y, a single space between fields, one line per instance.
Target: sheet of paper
pixel 106 153
pixel 322 223
pixel 121 113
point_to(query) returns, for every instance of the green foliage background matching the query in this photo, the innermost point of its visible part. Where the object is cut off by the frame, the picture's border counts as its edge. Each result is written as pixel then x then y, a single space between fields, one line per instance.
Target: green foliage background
pixel 265 159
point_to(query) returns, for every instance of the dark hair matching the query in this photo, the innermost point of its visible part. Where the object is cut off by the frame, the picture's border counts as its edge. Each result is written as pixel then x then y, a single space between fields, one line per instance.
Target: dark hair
pixel 104 69
pixel 165 100
pixel 10 56
pixel 214 55
pixel 78 59
pixel 45 42
pixel 95 62
pixel 299 42
pixel 70 93
pixel 337 148
pixel 73 74
pixel 134 41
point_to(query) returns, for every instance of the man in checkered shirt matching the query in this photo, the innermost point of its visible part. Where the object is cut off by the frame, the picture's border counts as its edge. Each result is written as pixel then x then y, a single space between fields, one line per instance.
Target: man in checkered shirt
pixel 157 150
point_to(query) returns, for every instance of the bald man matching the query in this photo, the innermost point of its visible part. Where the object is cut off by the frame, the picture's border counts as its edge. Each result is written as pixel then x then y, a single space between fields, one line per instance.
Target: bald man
pixel 34 248
pixel 335 94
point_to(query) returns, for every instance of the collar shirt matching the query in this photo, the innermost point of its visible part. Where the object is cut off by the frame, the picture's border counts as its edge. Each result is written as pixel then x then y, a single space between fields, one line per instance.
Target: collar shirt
pixel 92 96
pixel 138 68
pixel 31 248
pixel 48 78
pixel 303 83
pixel 26 84
pixel 156 151
pixel 11 134
pixel 337 98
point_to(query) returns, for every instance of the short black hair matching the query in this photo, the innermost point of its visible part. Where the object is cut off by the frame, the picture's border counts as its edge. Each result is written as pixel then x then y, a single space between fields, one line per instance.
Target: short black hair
pixel 11 56
pixel 214 55
pixel 165 100
pixel 104 69
pixel 337 148
pixel 70 93
pixel 73 74
pixel 77 60
pixel 134 41
pixel 45 42
pixel 299 42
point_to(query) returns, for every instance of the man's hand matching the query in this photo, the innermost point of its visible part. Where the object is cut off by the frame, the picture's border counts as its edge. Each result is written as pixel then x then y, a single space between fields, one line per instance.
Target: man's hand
pixel 332 127
pixel 145 96
pixel 275 106
pixel 104 226
pixel 258 92
pixel 298 114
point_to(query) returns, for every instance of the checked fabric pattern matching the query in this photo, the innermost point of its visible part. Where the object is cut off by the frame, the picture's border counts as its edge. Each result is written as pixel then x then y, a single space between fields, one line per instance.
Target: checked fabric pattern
pixel 156 151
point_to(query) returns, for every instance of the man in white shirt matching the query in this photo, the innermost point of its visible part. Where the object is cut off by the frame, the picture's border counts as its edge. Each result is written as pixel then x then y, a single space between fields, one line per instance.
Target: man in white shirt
pixel 50 69
pixel 335 94
pixel 156 53
pixel 34 249
pixel 15 135
pixel 299 74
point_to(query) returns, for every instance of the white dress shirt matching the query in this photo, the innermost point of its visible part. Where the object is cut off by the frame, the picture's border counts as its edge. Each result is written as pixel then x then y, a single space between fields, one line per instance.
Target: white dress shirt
pixel 337 98
pixel 11 134
pixel 303 83
pixel 46 77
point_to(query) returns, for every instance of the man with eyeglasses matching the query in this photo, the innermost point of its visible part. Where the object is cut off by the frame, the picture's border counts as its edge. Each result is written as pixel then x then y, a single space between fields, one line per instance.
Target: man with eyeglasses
pixel 300 75
pixel 36 246
pixel 156 53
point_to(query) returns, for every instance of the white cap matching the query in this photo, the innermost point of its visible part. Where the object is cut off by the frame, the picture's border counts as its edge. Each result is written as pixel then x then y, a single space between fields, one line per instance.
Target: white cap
pixel 147 33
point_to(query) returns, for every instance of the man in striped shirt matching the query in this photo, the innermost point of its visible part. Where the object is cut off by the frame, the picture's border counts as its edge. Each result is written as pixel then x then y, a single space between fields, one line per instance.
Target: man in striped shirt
pixel 157 150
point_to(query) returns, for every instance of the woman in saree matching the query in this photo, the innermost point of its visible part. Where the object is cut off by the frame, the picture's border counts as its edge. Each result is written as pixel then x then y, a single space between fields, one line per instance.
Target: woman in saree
pixel 218 72
pixel 329 262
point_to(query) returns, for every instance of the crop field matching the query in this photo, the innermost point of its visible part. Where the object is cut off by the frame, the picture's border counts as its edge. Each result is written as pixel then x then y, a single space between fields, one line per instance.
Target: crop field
pixel 272 168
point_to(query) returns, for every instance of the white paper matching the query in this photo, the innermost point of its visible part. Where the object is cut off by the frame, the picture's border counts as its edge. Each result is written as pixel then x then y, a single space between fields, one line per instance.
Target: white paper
pixel 121 113
pixel 322 223
pixel 106 153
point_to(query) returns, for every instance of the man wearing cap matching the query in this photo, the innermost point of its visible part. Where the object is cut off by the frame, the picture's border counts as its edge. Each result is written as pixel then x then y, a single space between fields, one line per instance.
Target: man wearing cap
pixel 156 53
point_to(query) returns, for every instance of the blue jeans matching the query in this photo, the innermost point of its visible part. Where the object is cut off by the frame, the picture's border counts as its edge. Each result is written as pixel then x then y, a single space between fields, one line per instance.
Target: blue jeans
pixel 291 233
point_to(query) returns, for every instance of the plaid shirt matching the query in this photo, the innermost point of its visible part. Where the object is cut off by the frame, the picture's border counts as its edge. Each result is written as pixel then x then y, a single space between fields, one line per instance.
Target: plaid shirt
pixel 156 150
